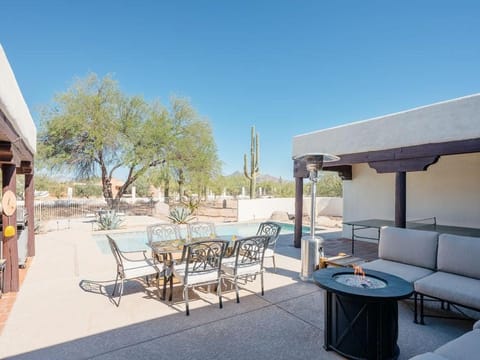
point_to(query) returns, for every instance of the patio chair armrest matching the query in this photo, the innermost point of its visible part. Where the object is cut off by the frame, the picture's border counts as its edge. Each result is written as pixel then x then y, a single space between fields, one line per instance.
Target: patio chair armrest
pixel 143 252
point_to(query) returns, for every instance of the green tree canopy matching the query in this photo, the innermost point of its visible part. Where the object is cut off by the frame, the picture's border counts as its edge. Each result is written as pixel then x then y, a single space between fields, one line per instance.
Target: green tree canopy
pixel 192 160
pixel 94 129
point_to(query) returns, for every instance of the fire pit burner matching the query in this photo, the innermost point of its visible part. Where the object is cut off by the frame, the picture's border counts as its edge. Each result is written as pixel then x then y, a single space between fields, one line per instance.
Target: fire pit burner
pixel 361 312
pixel 366 282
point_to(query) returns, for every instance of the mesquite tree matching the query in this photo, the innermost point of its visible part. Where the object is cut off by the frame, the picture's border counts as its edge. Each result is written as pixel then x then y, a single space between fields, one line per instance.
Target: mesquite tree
pixel 94 129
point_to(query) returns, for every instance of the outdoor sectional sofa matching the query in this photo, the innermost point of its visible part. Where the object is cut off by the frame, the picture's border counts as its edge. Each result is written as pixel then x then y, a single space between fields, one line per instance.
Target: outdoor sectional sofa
pixel 440 266
pixel 465 347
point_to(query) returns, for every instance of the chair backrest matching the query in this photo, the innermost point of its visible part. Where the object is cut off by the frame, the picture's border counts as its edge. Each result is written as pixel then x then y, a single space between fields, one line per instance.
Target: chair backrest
pixel 162 232
pixel 115 251
pixel 409 246
pixel 201 231
pixel 271 229
pixel 459 255
pixel 250 250
pixel 203 256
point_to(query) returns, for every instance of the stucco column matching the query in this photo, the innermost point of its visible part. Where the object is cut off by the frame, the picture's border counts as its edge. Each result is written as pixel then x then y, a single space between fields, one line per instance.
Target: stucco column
pixel 30 207
pixel 297 237
pixel 10 246
pixel 400 199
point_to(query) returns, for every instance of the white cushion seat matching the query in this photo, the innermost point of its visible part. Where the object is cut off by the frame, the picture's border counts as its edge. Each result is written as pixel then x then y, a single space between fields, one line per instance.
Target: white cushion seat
pixel 140 268
pixel 407 272
pixel 228 267
pixel 209 275
pixel 451 287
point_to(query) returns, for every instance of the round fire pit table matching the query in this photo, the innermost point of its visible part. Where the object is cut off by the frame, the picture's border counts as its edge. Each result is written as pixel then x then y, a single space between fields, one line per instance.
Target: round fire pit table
pixel 361 312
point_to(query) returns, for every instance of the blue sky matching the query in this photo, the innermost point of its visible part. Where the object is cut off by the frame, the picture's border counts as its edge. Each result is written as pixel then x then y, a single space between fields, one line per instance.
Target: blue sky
pixel 287 67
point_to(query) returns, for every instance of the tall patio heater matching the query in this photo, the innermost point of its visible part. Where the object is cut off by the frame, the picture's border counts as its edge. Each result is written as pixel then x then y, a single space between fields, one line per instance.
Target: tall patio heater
pixel 311 245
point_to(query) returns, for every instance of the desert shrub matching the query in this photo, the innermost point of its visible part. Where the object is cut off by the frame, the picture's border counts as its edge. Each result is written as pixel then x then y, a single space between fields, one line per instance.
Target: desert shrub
pixel 180 215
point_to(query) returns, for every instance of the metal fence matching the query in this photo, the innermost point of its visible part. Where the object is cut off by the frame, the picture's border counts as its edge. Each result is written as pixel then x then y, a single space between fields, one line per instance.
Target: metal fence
pixel 77 208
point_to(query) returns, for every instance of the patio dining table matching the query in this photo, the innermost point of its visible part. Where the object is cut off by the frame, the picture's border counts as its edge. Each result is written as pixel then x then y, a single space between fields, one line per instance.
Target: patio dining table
pixel 165 250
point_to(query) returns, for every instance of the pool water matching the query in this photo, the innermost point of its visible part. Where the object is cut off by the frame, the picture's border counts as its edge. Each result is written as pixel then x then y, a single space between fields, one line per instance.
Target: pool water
pixel 137 240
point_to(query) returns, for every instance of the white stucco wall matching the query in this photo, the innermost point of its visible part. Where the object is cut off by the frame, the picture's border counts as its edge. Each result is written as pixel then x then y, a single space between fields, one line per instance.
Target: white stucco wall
pixel 449 190
pixel 456 119
pixel 263 208
pixel 13 104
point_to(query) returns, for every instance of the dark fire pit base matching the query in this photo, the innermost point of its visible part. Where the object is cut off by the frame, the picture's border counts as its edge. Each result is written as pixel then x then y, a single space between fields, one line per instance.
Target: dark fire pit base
pixel 362 323
pixel 360 329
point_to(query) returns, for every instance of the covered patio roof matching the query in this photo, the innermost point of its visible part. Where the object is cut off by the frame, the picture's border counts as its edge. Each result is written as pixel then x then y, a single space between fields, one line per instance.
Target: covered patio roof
pixel 18 138
pixel 444 122
pixel 402 142
pixel 17 127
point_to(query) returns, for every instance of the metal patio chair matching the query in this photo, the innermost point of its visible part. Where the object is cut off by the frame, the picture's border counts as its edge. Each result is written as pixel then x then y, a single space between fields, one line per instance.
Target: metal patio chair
pixel 273 230
pixel 128 268
pixel 162 233
pixel 200 265
pixel 247 261
pixel 198 231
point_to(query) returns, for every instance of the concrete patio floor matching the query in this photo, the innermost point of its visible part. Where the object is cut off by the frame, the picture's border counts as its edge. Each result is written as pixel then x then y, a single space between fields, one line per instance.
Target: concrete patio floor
pixel 63 312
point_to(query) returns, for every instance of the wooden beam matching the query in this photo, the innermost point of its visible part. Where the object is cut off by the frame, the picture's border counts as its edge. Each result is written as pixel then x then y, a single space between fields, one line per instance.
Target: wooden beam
pixel 6 153
pixel 344 171
pixel 26 167
pixel 411 152
pixel 17 148
pixel 297 237
pixel 401 199
pixel 414 164
pixel 30 208
pixel 10 246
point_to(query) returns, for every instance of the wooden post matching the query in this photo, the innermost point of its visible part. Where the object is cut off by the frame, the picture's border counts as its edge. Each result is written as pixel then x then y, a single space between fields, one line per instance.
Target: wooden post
pixel 10 246
pixel 30 208
pixel 298 212
pixel 400 199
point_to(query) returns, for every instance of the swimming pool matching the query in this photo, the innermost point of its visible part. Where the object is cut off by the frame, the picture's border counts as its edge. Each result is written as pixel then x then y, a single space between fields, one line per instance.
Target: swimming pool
pixel 137 240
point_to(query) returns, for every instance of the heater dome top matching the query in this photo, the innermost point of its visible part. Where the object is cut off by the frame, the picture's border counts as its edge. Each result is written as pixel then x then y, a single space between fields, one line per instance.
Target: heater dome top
pixel 314 161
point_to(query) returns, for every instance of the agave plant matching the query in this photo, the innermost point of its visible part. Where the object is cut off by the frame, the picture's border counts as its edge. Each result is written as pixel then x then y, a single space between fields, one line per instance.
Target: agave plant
pixel 180 215
pixel 109 220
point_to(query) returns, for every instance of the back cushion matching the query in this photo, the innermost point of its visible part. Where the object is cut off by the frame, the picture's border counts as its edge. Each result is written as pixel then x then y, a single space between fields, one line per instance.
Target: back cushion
pixel 459 255
pixel 413 247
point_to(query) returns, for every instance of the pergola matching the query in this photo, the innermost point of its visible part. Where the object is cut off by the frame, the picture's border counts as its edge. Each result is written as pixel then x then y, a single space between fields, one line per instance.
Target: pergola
pixel 401 143
pixel 17 149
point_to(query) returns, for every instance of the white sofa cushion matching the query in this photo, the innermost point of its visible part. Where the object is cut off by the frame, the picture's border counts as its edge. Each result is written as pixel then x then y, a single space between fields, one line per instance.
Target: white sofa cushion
pixel 413 247
pixel 459 255
pixel 466 347
pixel 450 287
pixel 407 272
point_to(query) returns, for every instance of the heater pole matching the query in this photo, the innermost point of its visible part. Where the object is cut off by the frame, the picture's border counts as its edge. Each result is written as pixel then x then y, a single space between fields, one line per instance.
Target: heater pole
pixel 311 246
pixel 313 206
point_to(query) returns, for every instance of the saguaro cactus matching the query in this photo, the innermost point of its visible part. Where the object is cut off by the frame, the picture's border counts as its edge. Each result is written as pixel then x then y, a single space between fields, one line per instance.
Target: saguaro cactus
pixel 254 161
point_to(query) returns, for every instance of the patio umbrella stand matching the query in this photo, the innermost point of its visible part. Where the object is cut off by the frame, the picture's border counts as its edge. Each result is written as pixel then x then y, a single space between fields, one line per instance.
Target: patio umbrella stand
pixel 311 245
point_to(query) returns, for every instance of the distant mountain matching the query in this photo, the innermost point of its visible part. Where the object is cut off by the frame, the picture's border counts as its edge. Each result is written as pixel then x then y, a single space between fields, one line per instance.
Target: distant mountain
pixel 260 177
